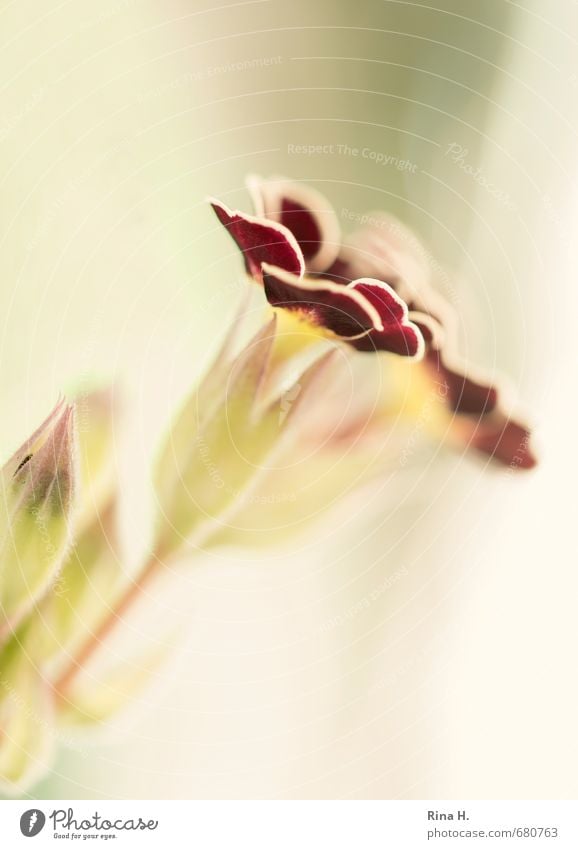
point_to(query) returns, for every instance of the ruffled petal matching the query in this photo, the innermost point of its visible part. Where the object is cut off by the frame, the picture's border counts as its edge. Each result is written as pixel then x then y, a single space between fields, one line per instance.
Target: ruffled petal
pixel 366 313
pixel 385 249
pixel 398 334
pixel 339 309
pixel 305 212
pixel 260 240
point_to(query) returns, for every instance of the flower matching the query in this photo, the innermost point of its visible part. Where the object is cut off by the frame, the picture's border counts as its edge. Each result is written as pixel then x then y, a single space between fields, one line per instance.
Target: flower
pixel 480 416
pixel 372 290
pixel 365 313
pixel 269 441
pixel 289 242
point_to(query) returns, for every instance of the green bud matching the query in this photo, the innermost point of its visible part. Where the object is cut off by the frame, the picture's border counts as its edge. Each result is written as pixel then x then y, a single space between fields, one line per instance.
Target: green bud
pixel 224 441
pixel 36 495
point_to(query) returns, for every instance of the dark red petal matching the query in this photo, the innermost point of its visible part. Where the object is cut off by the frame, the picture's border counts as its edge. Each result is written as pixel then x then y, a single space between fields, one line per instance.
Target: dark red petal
pixel 506 441
pixel 305 212
pixel 338 308
pixel 367 313
pixel 385 249
pixel 303 225
pixel 399 335
pixel 480 423
pixel 431 329
pixel 465 395
pixel 466 392
pixel 342 271
pixel 261 241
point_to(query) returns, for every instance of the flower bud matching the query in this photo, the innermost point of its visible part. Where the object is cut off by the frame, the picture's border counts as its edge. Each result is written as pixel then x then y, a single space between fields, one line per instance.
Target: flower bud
pixel 36 494
pixel 223 441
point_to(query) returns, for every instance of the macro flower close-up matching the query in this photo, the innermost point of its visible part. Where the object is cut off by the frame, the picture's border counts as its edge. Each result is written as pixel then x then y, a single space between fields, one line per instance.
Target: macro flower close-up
pixel 269 408
pixel 286 440
pixel 373 291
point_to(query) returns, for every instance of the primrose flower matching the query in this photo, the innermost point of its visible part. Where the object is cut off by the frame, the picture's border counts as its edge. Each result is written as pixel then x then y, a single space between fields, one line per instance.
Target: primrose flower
pixel 282 430
pixel 372 290
pixel 289 242
pixel 476 403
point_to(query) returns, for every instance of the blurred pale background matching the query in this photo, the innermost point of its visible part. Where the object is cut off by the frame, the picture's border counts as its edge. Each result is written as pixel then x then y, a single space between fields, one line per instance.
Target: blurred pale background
pixel 457 677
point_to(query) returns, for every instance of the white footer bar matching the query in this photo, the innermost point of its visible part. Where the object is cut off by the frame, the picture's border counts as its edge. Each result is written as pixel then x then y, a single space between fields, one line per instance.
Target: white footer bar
pixel 290 824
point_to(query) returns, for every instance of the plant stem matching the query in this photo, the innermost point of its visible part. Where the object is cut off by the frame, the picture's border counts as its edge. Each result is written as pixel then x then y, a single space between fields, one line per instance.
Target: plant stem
pixel 132 593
